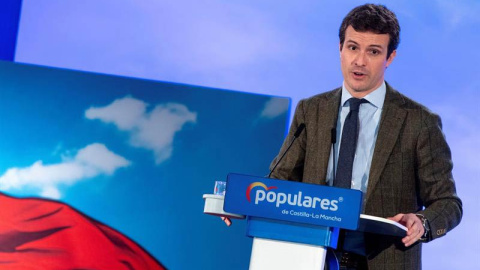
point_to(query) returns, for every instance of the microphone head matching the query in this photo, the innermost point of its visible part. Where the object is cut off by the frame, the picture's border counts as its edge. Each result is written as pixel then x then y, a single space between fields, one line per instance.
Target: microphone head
pixel 300 128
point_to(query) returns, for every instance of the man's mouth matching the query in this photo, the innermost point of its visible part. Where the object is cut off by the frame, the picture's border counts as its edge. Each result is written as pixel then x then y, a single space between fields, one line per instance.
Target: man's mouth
pixel 358 74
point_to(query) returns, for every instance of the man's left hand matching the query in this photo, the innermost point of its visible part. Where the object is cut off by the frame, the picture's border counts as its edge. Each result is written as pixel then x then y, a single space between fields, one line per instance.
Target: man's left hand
pixel 414 226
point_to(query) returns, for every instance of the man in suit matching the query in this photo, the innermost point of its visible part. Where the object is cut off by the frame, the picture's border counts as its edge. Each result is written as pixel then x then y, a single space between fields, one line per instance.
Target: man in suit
pixel 400 160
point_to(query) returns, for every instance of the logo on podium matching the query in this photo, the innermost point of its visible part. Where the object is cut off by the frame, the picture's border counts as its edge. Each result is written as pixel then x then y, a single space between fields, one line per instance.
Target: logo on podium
pixel 293 201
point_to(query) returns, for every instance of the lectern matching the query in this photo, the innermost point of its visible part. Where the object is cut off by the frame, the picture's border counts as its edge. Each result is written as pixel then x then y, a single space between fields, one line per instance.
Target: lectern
pixel 293 224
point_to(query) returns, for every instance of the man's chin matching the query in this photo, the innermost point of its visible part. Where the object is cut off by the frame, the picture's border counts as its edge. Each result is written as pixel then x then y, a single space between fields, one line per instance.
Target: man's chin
pixel 357 88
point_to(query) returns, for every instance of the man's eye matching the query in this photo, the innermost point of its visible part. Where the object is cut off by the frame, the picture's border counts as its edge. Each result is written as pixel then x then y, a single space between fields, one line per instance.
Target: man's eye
pixel 353 48
pixel 375 52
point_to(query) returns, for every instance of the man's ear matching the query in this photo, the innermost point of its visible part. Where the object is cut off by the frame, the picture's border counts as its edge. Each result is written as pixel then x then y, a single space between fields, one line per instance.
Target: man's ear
pixel 391 57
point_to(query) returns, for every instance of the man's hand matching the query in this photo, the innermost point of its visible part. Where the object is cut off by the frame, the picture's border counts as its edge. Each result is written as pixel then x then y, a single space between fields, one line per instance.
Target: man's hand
pixel 227 221
pixel 414 226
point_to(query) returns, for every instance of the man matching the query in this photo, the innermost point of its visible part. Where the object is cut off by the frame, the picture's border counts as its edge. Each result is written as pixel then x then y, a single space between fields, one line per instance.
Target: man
pixel 399 158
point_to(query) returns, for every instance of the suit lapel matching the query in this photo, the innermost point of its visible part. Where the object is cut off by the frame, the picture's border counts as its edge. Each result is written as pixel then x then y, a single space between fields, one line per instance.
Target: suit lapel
pixel 327 120
pixel 391 123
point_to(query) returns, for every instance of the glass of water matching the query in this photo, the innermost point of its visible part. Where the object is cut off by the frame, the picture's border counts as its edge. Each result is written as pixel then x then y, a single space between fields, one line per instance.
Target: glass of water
pixel 220 187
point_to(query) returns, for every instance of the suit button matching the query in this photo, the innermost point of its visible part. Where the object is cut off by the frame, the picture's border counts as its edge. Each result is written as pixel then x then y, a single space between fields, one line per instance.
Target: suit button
pixel 441 231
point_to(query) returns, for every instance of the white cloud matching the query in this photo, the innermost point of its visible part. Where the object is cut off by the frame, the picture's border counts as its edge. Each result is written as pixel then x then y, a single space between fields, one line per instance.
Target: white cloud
pixel 274 107
pixel 100 159
pixel 123 112
pixel 93 160
pixel 154 130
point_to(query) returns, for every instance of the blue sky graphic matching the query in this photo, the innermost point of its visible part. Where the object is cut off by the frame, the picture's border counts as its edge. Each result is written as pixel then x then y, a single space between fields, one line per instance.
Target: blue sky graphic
pixel 136 154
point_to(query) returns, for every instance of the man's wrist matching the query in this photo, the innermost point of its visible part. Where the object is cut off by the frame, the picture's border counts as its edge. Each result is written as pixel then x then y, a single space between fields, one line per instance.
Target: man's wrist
pixel 426 228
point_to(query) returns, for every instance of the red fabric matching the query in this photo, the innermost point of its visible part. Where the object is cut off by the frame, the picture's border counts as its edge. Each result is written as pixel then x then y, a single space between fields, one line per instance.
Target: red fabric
pixel 38 234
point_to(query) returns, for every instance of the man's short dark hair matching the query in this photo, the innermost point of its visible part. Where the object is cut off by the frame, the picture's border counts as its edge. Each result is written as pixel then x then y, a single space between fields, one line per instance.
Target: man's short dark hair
pixel 373 18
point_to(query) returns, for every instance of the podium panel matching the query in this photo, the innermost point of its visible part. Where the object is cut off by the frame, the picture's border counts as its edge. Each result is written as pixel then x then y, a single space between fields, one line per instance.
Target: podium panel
pixel 281 255
pixel 292 201
pixel 292 232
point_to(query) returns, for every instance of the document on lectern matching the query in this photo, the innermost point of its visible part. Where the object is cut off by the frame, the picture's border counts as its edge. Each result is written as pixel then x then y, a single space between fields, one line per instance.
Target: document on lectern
pixel 380 225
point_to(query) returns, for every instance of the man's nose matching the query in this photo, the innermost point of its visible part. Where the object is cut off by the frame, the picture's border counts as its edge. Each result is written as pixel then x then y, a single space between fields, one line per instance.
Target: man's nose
pixel 360 59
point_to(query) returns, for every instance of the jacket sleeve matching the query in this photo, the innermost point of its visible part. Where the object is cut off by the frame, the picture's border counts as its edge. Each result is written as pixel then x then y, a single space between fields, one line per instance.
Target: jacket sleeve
pixel 443 208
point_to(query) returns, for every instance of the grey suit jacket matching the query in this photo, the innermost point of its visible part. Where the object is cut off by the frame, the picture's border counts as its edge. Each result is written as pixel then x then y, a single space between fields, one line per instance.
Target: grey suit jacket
pixel 410 171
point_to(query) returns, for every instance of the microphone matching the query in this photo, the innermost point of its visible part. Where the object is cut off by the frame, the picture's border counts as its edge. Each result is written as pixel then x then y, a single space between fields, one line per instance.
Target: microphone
pixel 297 133
pixel 333 134
pixel 300 128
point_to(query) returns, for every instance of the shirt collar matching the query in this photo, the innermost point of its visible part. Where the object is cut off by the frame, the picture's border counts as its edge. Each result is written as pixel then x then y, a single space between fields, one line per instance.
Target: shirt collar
pixel 376 97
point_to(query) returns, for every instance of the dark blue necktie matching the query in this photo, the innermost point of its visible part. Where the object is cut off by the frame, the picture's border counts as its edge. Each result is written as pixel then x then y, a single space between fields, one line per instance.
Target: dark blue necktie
pixel 348 145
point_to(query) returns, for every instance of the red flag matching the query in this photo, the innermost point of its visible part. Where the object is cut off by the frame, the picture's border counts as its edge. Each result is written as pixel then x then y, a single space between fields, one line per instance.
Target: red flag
pixel 40 234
